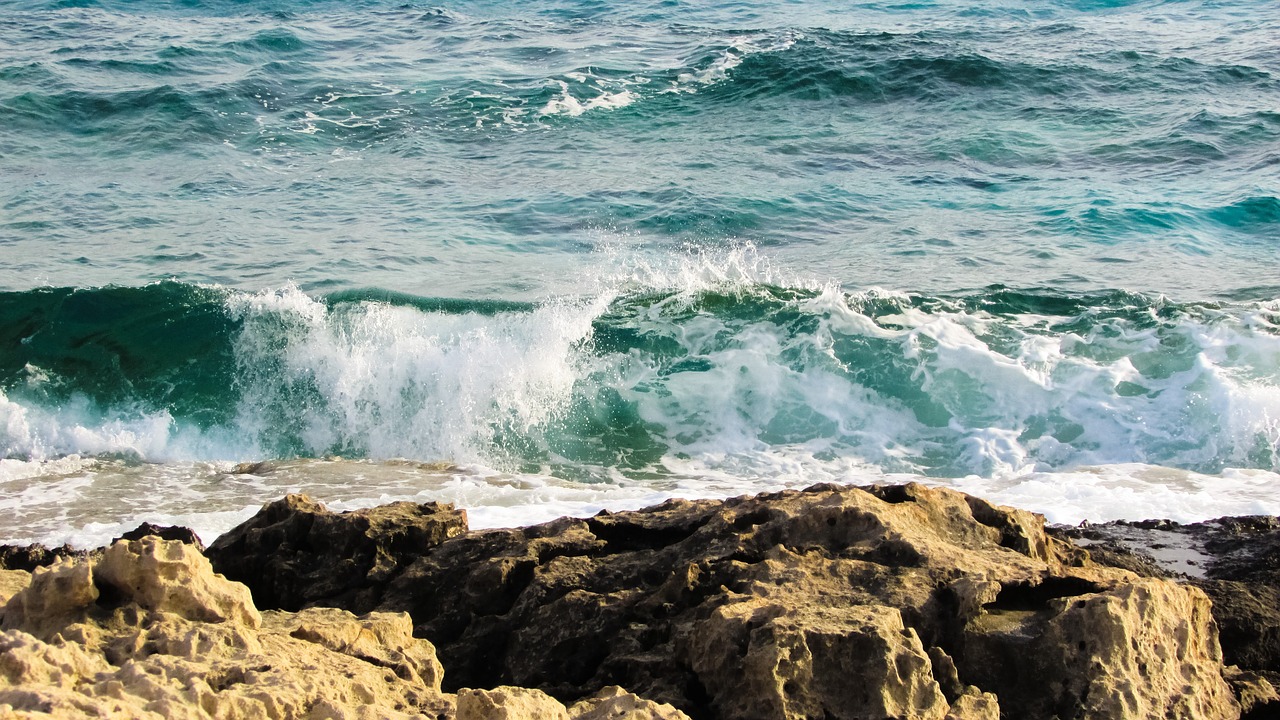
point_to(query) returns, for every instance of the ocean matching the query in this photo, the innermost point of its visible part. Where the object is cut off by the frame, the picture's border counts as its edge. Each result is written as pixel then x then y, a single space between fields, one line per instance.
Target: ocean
pixel 549 257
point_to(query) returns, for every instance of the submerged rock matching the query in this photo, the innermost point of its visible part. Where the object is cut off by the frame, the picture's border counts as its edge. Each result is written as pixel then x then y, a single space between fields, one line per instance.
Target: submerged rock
pixel 835 602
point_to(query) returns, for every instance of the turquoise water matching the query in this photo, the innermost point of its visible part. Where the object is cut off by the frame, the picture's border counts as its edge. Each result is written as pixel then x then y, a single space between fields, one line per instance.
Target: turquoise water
pixel 592 254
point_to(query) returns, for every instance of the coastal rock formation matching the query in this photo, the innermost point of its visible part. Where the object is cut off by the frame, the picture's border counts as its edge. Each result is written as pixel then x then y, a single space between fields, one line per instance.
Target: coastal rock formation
pixel 299 553
pixel 509 703
pixel 145 629
pixel 835 602
pixel 1235 561
pixel 149 631
pixel 614 703
pixel 515 703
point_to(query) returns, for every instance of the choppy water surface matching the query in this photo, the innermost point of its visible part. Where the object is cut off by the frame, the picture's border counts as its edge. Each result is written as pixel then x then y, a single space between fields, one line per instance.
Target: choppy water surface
pixel 549 257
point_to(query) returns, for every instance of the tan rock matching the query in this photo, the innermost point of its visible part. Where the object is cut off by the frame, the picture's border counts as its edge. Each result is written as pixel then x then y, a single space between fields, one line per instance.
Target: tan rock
pixel 766 606
pixel 1252 689
pixel 1143 649
pixel 56 596
pixel 762 659
pixel 173 577
pixel 835 602
pixel 170 639
pixel 11 582
pixel 614 703
pixel 509 703
pixel 974 704
pixel 384 639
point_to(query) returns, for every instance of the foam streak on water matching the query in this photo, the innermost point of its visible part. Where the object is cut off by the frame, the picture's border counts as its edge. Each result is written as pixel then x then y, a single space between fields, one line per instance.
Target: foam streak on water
pixel 592 254
pixel 697 374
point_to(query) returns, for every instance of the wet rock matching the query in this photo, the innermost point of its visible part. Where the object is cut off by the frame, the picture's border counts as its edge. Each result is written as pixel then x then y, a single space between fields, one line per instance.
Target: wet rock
pixel 30 557
pixel 166 532
pixel 899 601
pixel 295 552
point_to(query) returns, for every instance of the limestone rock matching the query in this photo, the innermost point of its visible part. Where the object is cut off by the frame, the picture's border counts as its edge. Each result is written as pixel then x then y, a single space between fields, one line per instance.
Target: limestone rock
pixel 148 631
pixel 56 596
pixel 900 601
pixel 856 662
pixel 974 704
pixel 1256 694
pixel 509 703
pixel 1143 649
pixel 173 577
pixel 11 582
pixel 295 552
pixel 614 703
pixel 903 601
pixel 1236 561
pixel 383 639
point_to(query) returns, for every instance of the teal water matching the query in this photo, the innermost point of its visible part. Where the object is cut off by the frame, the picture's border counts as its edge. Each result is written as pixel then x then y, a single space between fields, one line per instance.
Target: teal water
pixel 592 254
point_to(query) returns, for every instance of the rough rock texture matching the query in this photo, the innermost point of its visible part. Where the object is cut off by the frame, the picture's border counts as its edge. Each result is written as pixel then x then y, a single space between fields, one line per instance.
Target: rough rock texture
pixel 1236 561
pixel 11 581
pixel 298 553
pixel 509 703
pixel 614 703
pixel 835 602
pixel 149 631
pixel 30 557
pixel 1136 650
pixel 1243 580
pixel 515 703
pixel 172 577
pixel 166 532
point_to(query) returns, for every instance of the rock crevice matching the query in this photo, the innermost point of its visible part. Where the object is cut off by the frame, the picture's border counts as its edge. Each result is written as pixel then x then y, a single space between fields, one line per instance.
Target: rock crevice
pixel 834 602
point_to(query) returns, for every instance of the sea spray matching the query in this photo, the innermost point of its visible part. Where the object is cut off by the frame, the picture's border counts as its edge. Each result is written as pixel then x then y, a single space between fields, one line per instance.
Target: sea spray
pixel 697 373
pixel 556 256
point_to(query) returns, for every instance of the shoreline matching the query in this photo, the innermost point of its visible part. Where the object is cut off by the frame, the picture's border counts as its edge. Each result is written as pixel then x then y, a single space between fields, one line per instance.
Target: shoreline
pixel 975 605
pixel 91 500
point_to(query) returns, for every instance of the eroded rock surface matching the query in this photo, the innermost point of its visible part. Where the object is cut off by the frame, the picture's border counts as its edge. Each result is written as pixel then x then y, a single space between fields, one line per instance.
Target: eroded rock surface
pixel 1235 561
pixel 145 629
pixel 835 602
pixel 149 631
pixel 296 553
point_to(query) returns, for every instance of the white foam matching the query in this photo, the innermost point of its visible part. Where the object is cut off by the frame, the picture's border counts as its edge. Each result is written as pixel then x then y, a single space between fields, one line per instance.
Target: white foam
pixel 76 427
pixel 718 69
pixel 86 504
pixel 732 403
pixel 394 381
pixel 566 104
pixel 1132 492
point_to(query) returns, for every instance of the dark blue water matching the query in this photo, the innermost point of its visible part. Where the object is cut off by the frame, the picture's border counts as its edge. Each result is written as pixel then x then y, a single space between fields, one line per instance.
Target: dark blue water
pixel 646 247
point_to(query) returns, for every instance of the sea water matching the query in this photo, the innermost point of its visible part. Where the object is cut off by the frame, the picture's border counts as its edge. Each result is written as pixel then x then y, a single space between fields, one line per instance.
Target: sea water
pixel 548 257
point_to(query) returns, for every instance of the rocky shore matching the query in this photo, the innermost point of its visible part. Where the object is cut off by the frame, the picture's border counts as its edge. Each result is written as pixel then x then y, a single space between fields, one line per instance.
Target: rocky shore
pixel 834 602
